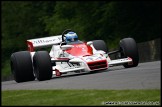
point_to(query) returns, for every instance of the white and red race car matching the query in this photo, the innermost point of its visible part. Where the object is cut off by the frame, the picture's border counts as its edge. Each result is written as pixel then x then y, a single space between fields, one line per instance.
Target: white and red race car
pixel 69 57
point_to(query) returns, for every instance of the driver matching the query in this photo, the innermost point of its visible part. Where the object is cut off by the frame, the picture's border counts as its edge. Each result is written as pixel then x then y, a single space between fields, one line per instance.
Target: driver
pixel 71 37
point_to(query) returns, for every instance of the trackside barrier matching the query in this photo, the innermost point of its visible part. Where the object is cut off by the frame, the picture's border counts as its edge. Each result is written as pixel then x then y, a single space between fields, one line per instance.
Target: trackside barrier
pixel 150 51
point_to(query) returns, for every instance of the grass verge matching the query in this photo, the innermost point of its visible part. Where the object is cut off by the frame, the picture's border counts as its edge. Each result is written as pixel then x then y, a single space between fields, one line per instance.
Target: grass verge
pixel 80 97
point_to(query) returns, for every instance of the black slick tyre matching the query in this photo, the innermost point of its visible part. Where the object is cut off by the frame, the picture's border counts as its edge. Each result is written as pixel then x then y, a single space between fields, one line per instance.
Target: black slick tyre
pixel 100 45
pixel 21 66
pixel 129 48
pixel 42 65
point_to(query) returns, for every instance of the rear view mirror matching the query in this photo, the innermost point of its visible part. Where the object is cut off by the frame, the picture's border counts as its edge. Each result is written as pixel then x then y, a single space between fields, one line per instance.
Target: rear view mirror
pixel 65 47
pixel 89 43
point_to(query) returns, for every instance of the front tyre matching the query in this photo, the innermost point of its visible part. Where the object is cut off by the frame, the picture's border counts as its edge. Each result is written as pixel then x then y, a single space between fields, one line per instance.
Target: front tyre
pixel 129 48
pixel 42 65
pixel 21 66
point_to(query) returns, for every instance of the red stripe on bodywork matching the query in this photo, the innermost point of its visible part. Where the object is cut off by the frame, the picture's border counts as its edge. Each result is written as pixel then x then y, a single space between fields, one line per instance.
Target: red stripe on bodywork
pixel 58 73
pixel 63 58
pixel 80 50
pixel 30 46
pixel 95 65
pixel 130 63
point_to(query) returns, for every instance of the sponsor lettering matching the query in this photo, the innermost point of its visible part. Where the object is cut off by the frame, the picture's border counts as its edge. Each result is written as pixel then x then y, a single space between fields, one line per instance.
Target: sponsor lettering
pixel 47 41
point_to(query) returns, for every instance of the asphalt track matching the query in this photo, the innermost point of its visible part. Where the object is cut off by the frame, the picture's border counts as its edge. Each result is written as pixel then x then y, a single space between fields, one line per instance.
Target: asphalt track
pixel 144 76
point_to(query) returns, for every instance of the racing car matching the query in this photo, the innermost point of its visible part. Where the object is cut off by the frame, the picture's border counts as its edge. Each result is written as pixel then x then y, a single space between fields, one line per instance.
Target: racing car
pixel 69 54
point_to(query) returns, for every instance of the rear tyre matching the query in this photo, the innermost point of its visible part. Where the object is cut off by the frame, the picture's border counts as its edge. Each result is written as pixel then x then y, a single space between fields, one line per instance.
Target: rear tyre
pixel 100 45
pixel 42 65
pixel 129 48
pixel 21 66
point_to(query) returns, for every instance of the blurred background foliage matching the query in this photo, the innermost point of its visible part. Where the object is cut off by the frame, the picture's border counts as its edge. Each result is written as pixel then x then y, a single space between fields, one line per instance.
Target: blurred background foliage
pixel 107 20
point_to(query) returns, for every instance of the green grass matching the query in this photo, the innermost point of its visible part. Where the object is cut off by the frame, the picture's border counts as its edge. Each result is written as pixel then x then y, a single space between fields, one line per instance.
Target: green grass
pixel 78 97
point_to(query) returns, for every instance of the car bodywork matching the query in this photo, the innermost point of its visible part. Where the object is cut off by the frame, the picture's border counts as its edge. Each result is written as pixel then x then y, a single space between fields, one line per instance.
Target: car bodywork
pixel 76 57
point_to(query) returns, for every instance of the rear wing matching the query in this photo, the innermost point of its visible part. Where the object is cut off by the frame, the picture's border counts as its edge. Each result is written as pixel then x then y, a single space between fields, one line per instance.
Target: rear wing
pixel 43 42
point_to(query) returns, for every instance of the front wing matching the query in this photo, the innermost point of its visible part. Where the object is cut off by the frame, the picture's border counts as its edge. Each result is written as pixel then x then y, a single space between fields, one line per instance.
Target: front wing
pixel 81 66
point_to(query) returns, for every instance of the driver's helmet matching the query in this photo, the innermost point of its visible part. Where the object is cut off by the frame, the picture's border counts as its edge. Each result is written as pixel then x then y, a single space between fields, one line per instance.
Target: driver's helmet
pixel 71 37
